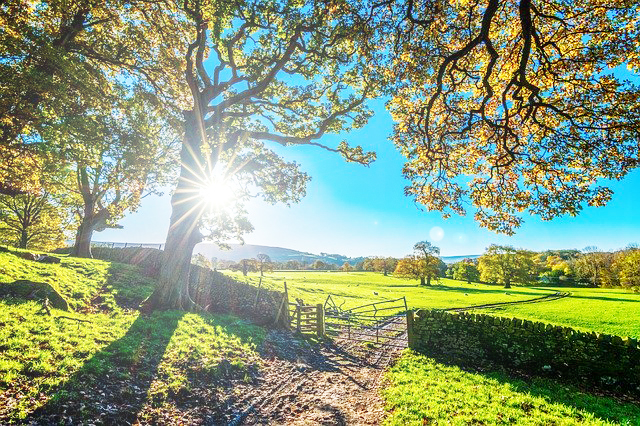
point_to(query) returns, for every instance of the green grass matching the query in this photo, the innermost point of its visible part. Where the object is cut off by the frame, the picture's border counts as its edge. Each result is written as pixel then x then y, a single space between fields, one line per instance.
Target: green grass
pixel 162 364
pixel 49 362
pixel 422 391
pixel 612 311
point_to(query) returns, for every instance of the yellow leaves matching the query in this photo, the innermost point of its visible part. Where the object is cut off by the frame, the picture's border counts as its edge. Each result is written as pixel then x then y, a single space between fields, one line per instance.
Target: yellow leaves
pixel 521 130
pixel 20 170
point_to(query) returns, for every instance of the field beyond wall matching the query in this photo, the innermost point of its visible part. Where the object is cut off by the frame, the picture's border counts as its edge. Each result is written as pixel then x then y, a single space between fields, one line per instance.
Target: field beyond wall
pixel 611 311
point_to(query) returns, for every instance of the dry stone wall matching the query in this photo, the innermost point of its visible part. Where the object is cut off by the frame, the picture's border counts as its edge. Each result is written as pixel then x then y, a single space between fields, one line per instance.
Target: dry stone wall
pixel 599 360
pixel 211 290
pixel 217 292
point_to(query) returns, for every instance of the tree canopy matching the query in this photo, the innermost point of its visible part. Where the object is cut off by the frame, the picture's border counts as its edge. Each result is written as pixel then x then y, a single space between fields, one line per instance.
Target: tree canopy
pixel 282 73
pixel 504 107
pixel 59 59
pixel 506 265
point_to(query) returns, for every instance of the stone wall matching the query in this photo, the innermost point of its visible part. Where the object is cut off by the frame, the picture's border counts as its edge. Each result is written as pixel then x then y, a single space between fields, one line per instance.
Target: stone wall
pixel 149 259
pixel 211 290
pixel 217 292
pixel 599 360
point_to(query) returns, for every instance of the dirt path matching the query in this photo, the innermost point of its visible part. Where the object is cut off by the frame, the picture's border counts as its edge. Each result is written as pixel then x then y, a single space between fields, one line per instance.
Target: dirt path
pixel 547 298
pixel 326 384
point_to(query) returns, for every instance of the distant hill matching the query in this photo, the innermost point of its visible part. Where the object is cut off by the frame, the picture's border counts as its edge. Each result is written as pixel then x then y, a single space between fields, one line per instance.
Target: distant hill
pixel 453 259
pixel 279 254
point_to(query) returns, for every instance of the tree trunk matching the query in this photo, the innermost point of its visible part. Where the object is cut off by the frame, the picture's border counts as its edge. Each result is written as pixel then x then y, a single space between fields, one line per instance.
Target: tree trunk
pixel 24 238
pixel 172 291
pixel 82 246
pixel 429 280
pixel 507 284
pixel 421 280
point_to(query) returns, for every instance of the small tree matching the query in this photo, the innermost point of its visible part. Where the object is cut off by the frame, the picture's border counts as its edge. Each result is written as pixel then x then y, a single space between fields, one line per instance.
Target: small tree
pixel 293 265
pixel 505 265
pixel 629 267
pixel 412 267
pixel 429 253
pixel 116 156
pixel 32 221
pixel 594 266
pixel 319 265
pixel 264 263
pixel 346 267
pixel 383 264
pixel 247 265
pixel 368 264
pixel 465 270
pixel 202 261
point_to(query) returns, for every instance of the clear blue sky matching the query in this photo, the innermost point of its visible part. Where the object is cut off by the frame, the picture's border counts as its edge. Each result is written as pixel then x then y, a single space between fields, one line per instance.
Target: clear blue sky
pixel 359 211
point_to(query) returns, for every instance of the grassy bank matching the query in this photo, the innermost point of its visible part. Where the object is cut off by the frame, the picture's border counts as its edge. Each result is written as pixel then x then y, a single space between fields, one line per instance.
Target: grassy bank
pixel 103 358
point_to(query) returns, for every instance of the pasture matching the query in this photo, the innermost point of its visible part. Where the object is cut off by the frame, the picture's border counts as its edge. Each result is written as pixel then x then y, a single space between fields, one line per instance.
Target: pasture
pixel 611 311
pixel 422 391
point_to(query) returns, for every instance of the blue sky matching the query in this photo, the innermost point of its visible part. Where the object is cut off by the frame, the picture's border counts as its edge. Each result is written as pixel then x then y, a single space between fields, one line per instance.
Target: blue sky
pixel 360 211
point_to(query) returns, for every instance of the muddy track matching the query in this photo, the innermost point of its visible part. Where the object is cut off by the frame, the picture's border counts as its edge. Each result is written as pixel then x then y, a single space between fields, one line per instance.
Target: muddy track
pixel 547 298
pixel 331 383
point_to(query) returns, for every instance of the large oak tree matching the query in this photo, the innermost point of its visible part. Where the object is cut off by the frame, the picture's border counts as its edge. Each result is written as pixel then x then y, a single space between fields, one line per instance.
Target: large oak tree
pixel 274 72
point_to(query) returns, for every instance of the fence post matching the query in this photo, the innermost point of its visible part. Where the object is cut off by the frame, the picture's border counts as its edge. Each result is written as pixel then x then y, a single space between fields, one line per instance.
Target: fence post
pixel 281 317
pixel 410 336
pixel 298 317
pixel 286 295
pixel 257 293
pixel 320 330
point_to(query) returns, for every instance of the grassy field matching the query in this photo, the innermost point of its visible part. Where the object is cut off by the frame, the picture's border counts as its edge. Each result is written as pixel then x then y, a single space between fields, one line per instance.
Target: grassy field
pixel 422 391
pixel 612 311
pixel 113 355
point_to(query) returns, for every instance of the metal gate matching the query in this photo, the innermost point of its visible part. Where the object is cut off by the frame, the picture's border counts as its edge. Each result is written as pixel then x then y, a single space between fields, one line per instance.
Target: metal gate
pixel 379 323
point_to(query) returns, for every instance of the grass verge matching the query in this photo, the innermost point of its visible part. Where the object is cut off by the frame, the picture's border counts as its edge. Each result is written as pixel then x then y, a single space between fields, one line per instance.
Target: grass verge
pixel 422 391
pixel 106 362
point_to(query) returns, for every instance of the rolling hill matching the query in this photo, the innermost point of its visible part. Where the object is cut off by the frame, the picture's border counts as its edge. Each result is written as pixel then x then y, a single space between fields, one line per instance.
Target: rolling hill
pixel 279 254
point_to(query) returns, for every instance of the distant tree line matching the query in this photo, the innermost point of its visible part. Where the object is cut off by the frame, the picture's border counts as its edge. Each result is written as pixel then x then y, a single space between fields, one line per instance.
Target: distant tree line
pixel 506 265
pixel 499 265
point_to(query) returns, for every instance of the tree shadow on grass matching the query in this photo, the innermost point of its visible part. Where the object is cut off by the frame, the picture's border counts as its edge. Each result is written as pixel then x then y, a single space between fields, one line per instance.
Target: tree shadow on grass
pixel 498 289
pixel 618 409
pixel 608 408
pixel 129 285
pixel 112 387
pixel 606 299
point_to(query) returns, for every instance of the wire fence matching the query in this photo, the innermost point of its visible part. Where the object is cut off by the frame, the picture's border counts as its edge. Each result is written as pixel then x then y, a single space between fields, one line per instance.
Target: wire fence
pixel 109 244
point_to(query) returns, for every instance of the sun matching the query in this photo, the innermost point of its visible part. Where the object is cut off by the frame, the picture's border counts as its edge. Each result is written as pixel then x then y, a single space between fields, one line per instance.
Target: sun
pixel 217 193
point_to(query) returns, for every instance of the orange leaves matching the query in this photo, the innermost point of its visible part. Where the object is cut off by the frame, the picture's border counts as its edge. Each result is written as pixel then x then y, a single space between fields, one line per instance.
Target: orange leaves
pixel 508 107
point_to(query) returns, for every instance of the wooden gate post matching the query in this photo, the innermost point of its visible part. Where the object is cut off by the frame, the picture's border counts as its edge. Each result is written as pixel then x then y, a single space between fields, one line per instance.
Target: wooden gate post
pixel 410 337
pixel 320 316
pixel 298 317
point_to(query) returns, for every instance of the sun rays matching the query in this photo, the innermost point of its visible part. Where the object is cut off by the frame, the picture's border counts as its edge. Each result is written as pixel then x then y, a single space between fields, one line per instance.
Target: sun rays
pixel 216 192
